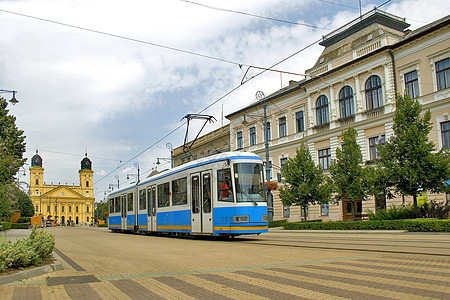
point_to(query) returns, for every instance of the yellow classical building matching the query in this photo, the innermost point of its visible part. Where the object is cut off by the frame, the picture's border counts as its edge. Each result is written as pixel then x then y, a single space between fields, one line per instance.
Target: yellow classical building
pixel 63 203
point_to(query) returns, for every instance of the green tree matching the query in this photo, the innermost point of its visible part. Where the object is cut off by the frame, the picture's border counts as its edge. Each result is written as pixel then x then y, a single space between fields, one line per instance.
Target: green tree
pixel 12 145
pixel 6 201
pixel 304 181
pixel 24 203
pixel 349 176
pixel 409 159
pixel 101 211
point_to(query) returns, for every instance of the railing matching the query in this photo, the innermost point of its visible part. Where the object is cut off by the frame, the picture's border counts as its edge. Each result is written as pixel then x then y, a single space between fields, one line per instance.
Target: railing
pixel 368 49
pixel 363 17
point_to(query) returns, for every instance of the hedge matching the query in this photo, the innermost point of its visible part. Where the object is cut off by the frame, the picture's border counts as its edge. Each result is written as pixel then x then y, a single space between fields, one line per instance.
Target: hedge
pixel 20 226
pixel 277 223
pixel 5 226
pixel 411 225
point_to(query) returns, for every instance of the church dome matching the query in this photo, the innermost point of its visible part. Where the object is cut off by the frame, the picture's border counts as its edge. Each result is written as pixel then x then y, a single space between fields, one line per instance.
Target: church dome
pixel 86 163
pixel 36 160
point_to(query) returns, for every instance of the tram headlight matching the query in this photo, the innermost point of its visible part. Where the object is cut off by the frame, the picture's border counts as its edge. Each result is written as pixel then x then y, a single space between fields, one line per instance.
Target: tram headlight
pixel 264 218
pixel 241 219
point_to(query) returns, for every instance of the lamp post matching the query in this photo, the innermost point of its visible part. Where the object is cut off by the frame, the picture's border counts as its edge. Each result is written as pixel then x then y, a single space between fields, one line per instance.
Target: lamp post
pixel 13 100
pixel 136 165
pixel 170 147
pixel 117 178
pixel 260 95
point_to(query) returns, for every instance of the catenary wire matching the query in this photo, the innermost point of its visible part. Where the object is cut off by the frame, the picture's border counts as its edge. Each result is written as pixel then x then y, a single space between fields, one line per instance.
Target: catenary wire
pixel 223 96
pixel 124 38
pixel 252 15
pixel 133 39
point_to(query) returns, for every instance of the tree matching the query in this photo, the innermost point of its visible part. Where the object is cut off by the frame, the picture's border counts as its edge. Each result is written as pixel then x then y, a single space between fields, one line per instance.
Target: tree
pixel 100 210
pixel 12 145
pixel 304 181
pixel 349 176
pixel 6 201
pixel 24 203
pixel 409 158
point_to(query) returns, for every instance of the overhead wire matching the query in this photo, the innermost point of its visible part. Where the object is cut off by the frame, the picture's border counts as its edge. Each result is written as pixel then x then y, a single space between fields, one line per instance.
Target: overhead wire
pixel 186 52
pixel 73 154
pixel 230 92
pixel 124 37
pixel 252 15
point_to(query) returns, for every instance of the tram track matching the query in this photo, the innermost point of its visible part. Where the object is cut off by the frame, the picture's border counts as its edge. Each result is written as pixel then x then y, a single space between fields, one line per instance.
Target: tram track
pixel 380 245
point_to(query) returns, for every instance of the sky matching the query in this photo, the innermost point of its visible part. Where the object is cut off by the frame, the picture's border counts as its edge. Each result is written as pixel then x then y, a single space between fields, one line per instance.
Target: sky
pixel 115 78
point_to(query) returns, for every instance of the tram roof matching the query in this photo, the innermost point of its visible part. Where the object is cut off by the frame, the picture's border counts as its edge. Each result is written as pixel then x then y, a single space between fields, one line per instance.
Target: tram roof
pixel 198 162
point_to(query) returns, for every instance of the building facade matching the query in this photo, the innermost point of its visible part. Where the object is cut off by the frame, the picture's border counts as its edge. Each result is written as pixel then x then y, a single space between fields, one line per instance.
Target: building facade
pixel 63 203
pixel 214 142
pixel 354 82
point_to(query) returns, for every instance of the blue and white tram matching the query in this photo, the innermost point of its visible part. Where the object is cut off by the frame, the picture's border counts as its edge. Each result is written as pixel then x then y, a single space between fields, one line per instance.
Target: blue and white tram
pixel 222 194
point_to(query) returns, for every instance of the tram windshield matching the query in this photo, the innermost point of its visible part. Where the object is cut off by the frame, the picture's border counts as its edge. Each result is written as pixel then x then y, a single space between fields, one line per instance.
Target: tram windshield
pixel 249 182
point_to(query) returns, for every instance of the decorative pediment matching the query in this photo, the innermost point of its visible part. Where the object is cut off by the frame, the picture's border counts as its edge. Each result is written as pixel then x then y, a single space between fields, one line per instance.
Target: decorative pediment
pixel 62 192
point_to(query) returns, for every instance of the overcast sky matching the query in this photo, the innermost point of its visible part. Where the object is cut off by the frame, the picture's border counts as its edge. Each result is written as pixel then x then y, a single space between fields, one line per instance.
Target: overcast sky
pixel 124 73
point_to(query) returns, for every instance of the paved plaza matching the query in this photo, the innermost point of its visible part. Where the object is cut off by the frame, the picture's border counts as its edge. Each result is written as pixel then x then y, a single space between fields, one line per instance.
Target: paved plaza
pixel 99 264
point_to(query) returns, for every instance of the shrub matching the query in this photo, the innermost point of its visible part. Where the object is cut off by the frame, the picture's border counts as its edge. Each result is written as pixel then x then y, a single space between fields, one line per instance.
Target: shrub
pixel 393 213
pixel 19 226
pixel 5 244
pixel 102 225
pixel 20 254
pixel 43 242
pixel 432 209
pixel 277 223
pixel 26 251
pixel 413 225
pixel 5 225
pixel 23 220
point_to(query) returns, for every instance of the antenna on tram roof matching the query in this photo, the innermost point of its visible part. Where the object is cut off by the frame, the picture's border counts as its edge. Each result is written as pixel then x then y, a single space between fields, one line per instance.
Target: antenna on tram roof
pixel 208 118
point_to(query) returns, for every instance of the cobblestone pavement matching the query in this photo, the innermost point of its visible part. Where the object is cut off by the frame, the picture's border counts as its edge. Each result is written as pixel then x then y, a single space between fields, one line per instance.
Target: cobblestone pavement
pixel 103 265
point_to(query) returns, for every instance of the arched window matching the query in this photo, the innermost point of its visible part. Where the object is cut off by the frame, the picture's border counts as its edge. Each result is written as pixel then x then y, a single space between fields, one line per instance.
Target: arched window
pixel 374 97
pixel 322 110
pixel 346 106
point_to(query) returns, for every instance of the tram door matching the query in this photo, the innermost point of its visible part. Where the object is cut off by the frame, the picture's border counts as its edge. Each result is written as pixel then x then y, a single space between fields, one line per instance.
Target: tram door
pixel 123 198
pixel 151 208
pixel 201 204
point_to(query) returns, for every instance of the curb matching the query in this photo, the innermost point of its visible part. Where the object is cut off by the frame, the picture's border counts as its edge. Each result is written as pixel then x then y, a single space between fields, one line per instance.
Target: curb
pixel 22 275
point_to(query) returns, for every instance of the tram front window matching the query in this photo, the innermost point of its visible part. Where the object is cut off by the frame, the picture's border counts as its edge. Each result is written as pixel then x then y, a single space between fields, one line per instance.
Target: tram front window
pixel 249 182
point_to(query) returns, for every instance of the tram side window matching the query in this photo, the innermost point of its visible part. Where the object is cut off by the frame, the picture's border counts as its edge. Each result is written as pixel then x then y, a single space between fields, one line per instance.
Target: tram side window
pixel 163 195
pixel 206 193
pixel 151 197
pixel 153 201
pixel 111 205
pixel 130 202
pixel 224 185
pixel 179 191
pixel 195 186
pixel 117 204
pixel 142 200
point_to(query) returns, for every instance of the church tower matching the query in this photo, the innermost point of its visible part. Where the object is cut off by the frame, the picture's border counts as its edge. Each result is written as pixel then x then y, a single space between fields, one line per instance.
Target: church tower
pixel 36 172
pixel 86 177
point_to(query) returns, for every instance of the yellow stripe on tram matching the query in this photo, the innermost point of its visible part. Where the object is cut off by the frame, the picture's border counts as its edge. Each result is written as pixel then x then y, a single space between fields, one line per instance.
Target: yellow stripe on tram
pixel 143 227
pixel 115 226
pixel 183 227
pixel 239 228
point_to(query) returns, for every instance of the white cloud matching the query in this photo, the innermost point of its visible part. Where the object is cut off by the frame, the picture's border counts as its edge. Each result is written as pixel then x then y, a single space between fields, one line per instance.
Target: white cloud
pixel 117 97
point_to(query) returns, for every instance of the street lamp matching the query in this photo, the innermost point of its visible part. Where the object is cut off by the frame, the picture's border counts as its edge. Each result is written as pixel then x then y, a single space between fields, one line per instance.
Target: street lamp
pixel 13 100
pixel 117 178
pixel 260 95
pixel 170 147
pixel 136 165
